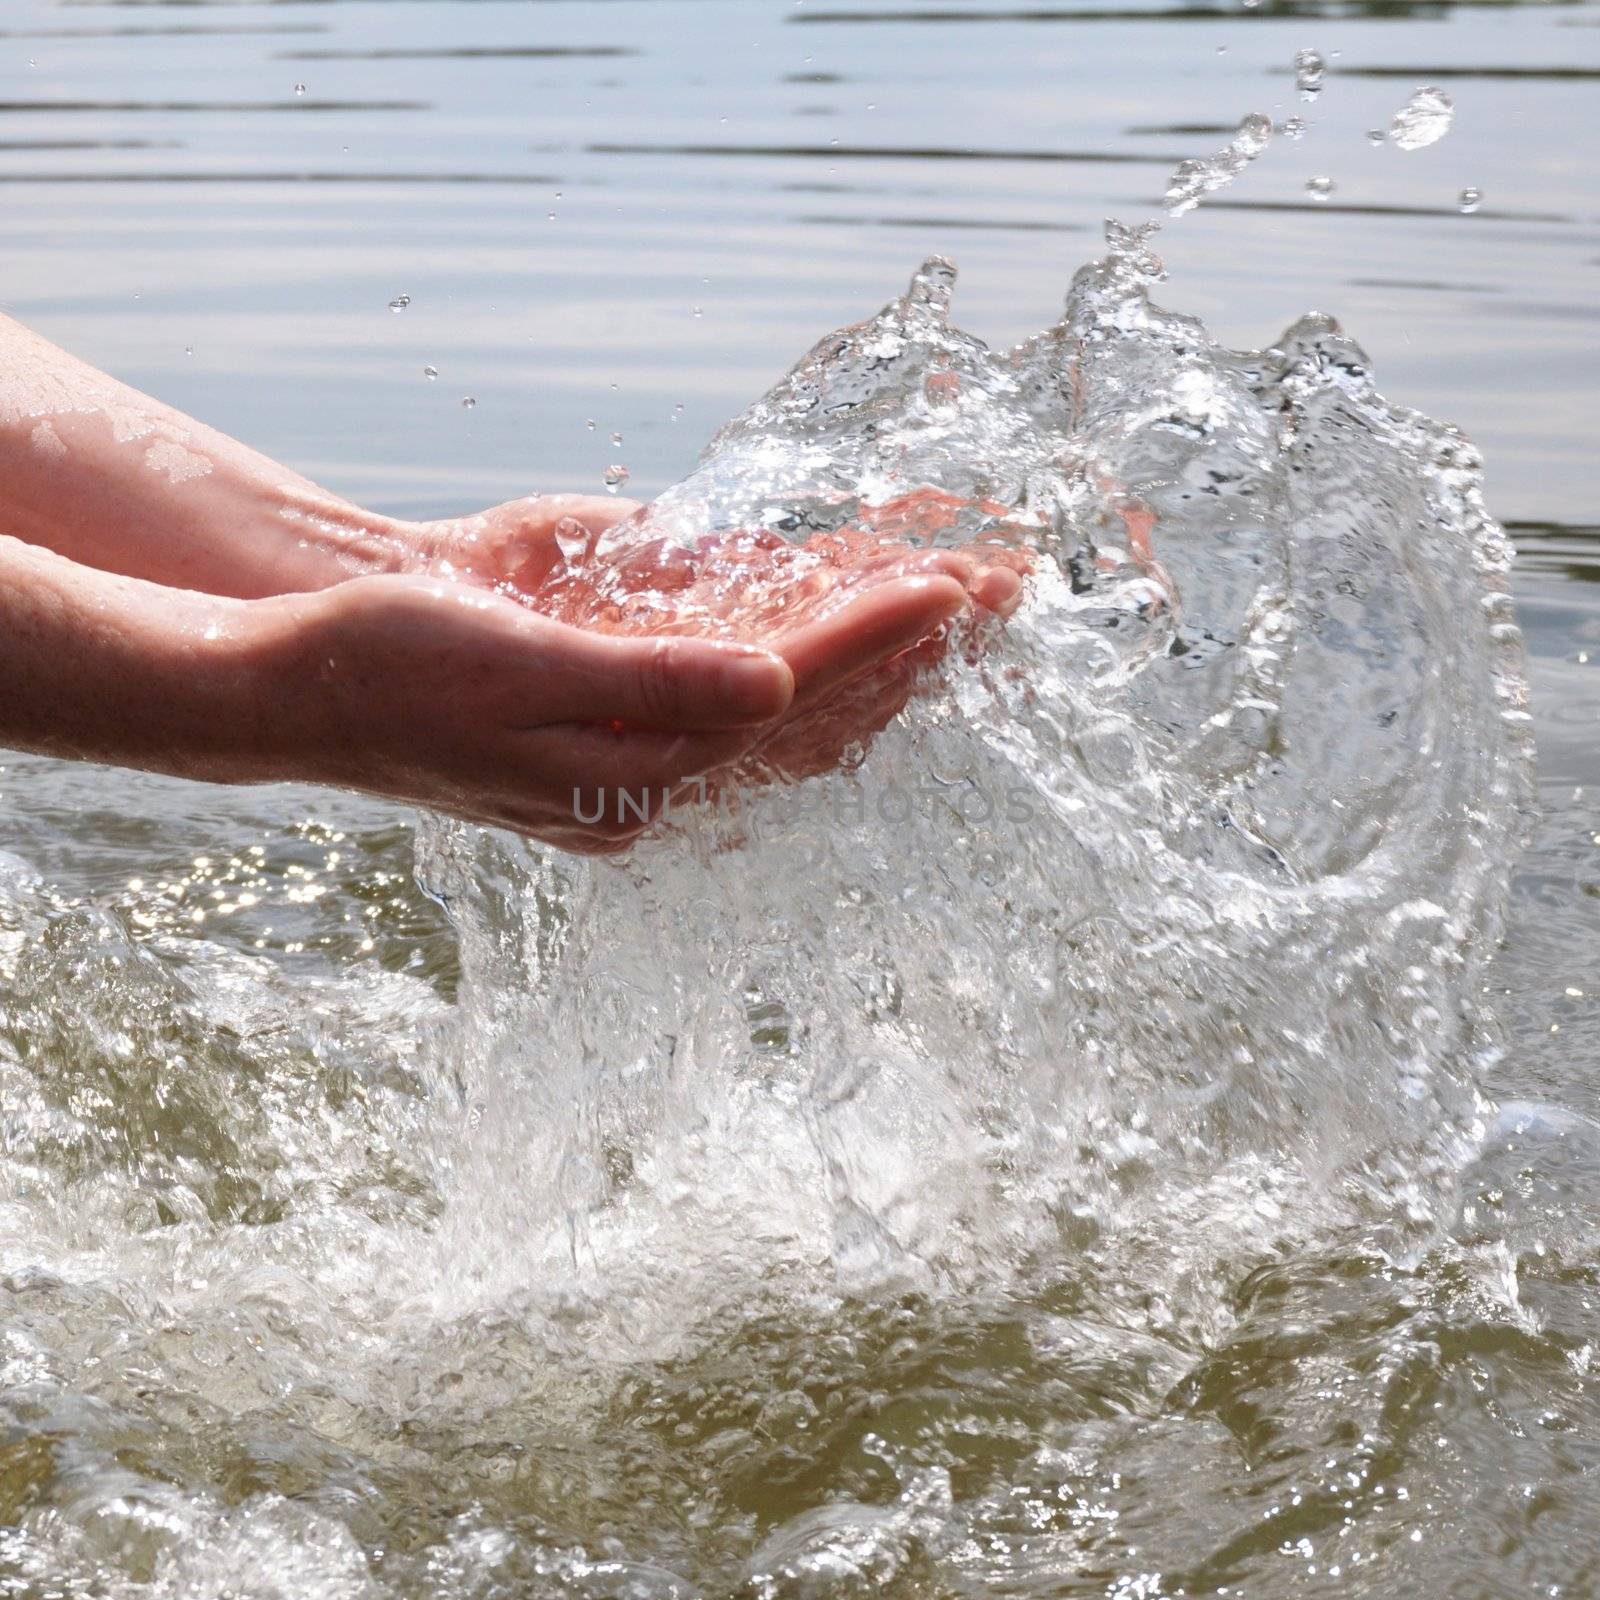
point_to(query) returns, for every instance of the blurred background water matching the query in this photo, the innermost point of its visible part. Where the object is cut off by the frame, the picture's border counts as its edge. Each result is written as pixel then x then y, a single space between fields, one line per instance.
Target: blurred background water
pixel 626 216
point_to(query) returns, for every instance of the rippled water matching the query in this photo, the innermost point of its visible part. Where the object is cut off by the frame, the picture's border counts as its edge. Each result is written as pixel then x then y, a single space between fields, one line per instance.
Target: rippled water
pixel 1159 1194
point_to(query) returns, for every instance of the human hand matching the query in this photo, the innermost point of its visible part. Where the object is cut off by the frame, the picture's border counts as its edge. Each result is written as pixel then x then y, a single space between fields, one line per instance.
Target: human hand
pixel 449 696
pixel 836 608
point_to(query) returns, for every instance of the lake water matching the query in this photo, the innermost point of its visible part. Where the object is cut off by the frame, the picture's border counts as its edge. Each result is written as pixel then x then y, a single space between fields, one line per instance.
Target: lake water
pixel 221 1008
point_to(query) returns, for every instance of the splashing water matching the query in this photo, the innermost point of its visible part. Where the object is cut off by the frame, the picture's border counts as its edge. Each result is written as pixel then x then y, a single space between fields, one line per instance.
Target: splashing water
pixel 1178 890
pixel 837 1196
pixel 1194 180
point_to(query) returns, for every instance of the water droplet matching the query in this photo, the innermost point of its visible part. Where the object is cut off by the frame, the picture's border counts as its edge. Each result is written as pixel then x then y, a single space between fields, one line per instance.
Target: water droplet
pixel 1376 135
pixel 1469 200
pixel 699 311
pixel 299 88
pixel 430 373
pixel 616 438
pixel 1319 188
pixel 1222 49
pixel 590 424
pixel 1295 128
pixel 550 216
pixel 1423 120
pixel 468 401
pixel 399 303
pixel 1309 71
pixel 616 476
pixel 871 105
pixel 188 349
pixel 1192 181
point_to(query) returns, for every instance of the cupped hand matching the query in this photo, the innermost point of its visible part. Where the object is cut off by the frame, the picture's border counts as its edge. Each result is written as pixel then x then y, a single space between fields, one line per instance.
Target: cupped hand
pixel 854 616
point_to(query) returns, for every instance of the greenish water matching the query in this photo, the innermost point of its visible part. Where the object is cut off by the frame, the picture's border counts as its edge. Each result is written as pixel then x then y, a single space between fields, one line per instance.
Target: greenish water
pixel 223 1013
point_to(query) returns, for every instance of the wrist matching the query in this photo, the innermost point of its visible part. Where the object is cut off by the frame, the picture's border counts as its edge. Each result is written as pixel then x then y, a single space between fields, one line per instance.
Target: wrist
pixel 267 658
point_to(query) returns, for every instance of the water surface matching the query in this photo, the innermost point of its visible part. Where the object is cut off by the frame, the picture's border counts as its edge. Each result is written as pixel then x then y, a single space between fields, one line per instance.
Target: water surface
pixel 609 212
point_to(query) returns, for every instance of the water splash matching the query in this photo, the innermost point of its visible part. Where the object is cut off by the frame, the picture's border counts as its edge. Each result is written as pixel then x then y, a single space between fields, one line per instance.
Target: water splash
pixel 1161 916
pixel 1194 180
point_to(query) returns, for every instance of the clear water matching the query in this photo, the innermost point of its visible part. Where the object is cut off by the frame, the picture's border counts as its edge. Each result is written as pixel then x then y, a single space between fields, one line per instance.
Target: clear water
pixel 1164 1184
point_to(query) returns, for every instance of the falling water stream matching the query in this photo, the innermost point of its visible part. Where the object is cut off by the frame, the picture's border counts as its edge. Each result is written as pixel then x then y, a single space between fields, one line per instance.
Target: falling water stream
pixel 1053 1155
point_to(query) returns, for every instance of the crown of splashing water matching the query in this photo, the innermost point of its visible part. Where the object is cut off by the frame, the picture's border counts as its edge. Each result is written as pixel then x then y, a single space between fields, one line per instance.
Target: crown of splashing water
pixel 1207 847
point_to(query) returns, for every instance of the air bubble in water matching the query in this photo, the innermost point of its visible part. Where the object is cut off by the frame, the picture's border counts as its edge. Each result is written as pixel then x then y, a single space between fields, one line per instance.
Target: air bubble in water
pixel 399 303
pixel 1319 188
pixel 468 401
pixel 430 373
pixel 616 438
pixel 616 476
pixel 699 311
pixel 1294 128
pixel 1469 200
pixel 299 88
pixel 1309 72
pixel 1423 120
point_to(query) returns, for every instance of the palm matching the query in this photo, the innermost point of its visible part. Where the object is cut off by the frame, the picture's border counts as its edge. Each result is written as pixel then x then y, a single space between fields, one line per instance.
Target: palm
pixel 857 613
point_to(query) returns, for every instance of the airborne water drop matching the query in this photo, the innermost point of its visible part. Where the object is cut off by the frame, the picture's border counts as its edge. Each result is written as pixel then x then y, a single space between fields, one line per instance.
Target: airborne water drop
pixel 1423 120
pixel 1309 72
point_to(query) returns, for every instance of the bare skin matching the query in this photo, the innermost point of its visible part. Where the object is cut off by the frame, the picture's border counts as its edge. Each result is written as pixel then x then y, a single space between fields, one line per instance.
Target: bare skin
pixel 172 600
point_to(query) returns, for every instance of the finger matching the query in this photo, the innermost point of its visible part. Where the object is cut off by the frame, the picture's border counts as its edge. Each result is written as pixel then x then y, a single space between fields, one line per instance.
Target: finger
pixel 872 626
pixel 596 512
pixel 997 589
pixel 666 682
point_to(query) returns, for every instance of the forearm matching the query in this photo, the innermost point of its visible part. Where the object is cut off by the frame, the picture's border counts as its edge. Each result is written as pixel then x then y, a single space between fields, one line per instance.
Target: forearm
pixel 99 667
pixel 112 479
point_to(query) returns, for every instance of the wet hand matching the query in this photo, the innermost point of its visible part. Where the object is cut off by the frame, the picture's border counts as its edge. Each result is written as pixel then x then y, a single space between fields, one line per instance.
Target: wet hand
pixel 857 614
pixel 449 696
